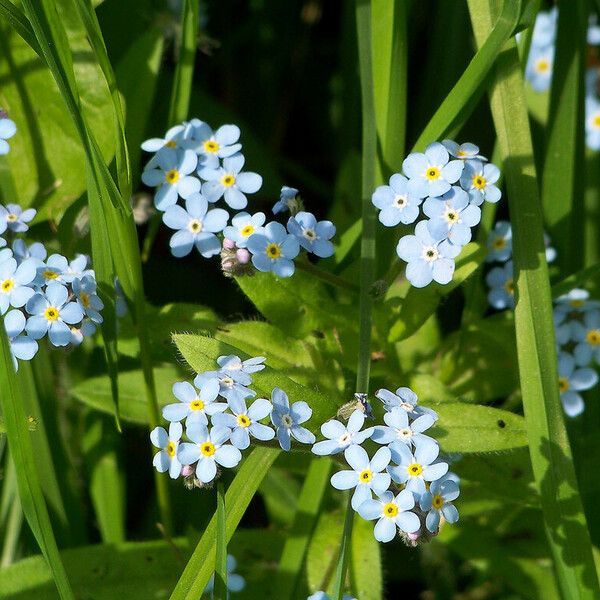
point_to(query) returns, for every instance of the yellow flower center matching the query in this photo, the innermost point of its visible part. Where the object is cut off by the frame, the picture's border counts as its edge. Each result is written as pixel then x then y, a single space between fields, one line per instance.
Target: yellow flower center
pixel 542 65
pixel 171 144
pixel 244 421
pixel 172 176
pixel 273 251
pixel 197 404
pixel 195 226
pixel 509 286
pixel 432 173
pixel 451 216
pixel 50 274
pixel 11 217
pixel 211 146
pixel 563 384
pixel 365 476
pixel 593 337
pixel 248 230
pixel 51 313
pixel 461 153
pixel 576 303
pixel 479 182
pixel 7 285
pixel 85 299
pixel 437 501
pixel 499 243
pixel 596 121
pixel 207 449
pixel 390 510
pixel 415 469
pixel 227 180
pixel 171 449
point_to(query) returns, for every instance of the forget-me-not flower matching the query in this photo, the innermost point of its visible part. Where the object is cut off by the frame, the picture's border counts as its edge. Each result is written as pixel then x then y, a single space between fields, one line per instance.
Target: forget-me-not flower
pixel 392 512
pixel 395 203
pixel 366 475
pixel 499 242
pixel 540 63
pixel 451 216
pixel 209 448
pixel 52 313
pixel 7 130
pixel 194 405
pixel 211 145
pixel 243 225
pixel 22 347
pixel 466 151
pixel 313 236
pixel 431 173
pixel 397 427
pixel 575 303
pixel 196 226
pixel 229 182
pixel 22 251
pixel 232 386
pixel 592 123
pixel 15 218
pixel 244 422
pixel 172 176
pixel 415 469
pixel 478 179
pixel 241 370
pixel 437 502
pixel 166 459
pixel 405 399
pixel 544 28
pixel 287 419
pixel 288 201
pixel 87 297
pixel 274 250
pixel 320 595
pixel 235 582
pixel 428 259
pixel 502 286
pixel 587 336
pixel 15 283
pixel 176 138
pixel 340 436
pixel 571 381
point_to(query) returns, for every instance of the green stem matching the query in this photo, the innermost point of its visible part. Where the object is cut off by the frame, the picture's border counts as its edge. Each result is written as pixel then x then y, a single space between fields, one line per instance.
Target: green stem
pixel 327 277
pixel 342 566
pixel 220 590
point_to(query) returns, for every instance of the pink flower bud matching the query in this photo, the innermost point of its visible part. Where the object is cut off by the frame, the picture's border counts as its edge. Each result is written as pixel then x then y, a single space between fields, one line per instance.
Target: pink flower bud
pixel 187 470
pixel 228 244
pixel 243 256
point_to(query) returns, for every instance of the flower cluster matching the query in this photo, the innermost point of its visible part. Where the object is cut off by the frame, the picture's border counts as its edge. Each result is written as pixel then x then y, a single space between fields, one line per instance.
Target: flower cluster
pixel 540 64
pixel 201 167
pixel 450 192
pixel 412 486
pixel 43 295
pixel 7 130
pixel 221 417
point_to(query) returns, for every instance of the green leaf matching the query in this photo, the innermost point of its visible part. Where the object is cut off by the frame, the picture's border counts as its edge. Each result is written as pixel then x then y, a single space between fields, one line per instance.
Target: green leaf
pixel 239 494
pixel 323 551
pixel 548 442
pixel 365 565
pixel 19 23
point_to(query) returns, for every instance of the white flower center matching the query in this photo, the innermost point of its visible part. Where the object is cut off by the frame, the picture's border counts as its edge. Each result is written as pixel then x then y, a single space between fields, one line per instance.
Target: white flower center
pixel 309 234
pixel 195 226
pixel 227 382
pixel 430 253
pixel 451 216
pixel 287 420
pixel 345 439
pixel 400 201
pixel 405 434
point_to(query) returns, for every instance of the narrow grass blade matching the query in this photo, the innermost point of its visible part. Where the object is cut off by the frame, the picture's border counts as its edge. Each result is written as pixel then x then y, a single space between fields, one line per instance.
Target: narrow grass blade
pixel 201 565
pixel 562 178
pixel 220 592
pixel 19 23
pixel 11 513
pixel 550 453
pixel 339 580
pixel 365 561
pixel 21 448
pixel 292 558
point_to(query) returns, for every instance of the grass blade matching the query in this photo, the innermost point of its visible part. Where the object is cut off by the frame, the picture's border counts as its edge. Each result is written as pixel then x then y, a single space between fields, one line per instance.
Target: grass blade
pixel 548 442
pixel 20 24
pixel 220 592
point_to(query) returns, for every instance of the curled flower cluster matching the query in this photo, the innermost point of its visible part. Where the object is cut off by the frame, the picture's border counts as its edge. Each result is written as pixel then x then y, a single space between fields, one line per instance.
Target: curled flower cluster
pixel 7 130
pixel 201 166
pixel 450 193
pixel 577 324
pixel 43 295
pixel 219 423
pixel 405 485
pixel 540 65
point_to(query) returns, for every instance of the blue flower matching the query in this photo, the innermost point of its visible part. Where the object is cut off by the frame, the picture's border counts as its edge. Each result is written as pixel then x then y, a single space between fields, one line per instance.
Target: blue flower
pixel 478 179
pixel 575 303
pixel 274 250
pixel 550 251
pixel 209 448
pixel 587 336
pixel 172 177
pixel 15 218
pixel 244 422
pixel 86 329
pixel 2 242
pixel 312 236
pixel 194 405
pixel 544 28
pixel 451 216
pixel 339 436
pixel 166 459
pixel 288 201
pixel 22 252
pixel 366 475
pixel 501 282
pixel 22 347
pixel 287 419
pixel 52 313
pixel 431 174
pixel 437 502
pixel 415 469
pixel 230 386
pixel 196 226
pixel 214 145
pixel 593 32
pixel 235 582
pixel 243 225
pixel 230 182
pixel 396 204
pixel 398 428
pixel 405 399
pixel 428 259
pixel 540 63
pixel 7 130
pixel 236 368
pixel 465 151
pixel 176 138
pixel 592 123
pixel 499 242
pixel 85 292
pixel 393 512
pixel 15 283
pixel 571 381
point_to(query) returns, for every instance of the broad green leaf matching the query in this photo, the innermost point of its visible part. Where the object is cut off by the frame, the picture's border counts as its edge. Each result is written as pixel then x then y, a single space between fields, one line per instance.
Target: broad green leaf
pixel 420 303
pixel 365 565
pixel 323 551
pixel 279 491
pixel 549 446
